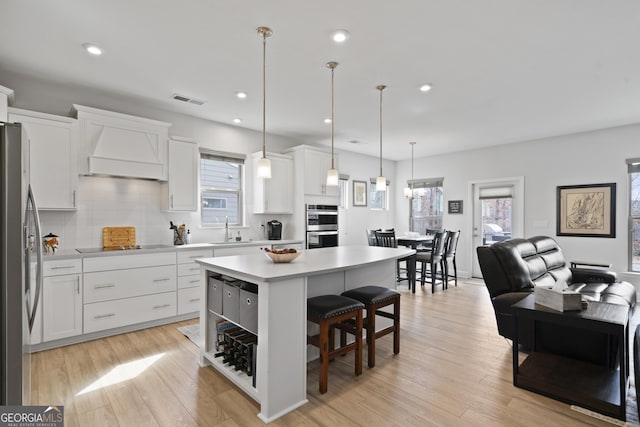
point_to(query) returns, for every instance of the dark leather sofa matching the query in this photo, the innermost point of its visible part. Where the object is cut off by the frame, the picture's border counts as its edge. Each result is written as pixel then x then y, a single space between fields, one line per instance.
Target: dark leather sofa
pixel 512 268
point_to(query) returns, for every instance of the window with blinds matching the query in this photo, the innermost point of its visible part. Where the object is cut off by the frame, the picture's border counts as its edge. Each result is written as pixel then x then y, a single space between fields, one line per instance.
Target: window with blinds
pixel 427 205
pixel 378 200
pixel 221 187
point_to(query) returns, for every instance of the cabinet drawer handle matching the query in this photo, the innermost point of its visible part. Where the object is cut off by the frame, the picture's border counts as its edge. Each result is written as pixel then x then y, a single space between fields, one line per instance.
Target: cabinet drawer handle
pixel 194 281
pixel 194 300
pixel 61 267
pixel 195 256
pixel 195 269
pixel 103 316
pixel 155 307
pixel 164 279
pixel 106 285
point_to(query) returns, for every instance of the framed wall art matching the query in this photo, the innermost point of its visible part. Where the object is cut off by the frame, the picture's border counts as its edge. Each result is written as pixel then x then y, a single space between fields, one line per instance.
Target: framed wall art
pixel 359 193
pixel 586 210
pixel 455 206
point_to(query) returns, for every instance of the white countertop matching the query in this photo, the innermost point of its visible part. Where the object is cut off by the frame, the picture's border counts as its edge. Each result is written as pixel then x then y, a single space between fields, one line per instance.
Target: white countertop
pixel 72 253
pixel 233 244
pixel 311 262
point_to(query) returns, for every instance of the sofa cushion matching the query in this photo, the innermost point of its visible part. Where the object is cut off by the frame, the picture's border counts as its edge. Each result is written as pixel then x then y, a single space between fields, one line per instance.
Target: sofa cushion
pixel 593 290
pixel 620 293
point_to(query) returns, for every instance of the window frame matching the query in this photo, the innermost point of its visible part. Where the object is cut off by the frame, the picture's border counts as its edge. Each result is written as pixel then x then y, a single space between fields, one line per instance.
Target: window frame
pixel 372 186
pixel 343 188
pixel 421 184
pixel 223 157
pixel 633 168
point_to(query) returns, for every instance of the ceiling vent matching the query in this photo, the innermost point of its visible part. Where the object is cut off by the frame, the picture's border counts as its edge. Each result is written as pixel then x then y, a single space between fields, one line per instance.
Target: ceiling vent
pixel 188 100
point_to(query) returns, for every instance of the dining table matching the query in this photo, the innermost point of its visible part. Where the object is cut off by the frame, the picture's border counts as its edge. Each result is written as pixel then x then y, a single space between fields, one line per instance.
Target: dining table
pixel 413 242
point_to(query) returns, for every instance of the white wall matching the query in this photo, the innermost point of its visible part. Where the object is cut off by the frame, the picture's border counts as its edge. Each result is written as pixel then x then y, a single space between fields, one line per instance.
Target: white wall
pixel 107 201
pixel 355 220
pixel 584 158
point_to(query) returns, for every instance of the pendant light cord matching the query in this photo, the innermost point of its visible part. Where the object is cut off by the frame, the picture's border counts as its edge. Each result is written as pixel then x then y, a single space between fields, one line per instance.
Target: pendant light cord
pixel 264 94
pixel 412 145
pixel 381 89
pixel 332 119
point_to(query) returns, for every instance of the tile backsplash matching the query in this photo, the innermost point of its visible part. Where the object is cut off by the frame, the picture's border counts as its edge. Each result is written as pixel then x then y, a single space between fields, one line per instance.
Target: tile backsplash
pixel 109 201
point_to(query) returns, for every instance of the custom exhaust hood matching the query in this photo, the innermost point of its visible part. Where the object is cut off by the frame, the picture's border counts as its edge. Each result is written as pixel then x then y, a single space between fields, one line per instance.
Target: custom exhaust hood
pixel 122 145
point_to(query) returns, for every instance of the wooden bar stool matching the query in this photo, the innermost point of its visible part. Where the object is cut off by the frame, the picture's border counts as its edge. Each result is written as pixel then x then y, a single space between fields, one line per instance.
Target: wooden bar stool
pixel 329 312
pixel 374 298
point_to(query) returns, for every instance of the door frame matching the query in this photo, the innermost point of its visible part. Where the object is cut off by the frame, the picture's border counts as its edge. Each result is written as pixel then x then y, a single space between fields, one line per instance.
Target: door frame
pixel 517 212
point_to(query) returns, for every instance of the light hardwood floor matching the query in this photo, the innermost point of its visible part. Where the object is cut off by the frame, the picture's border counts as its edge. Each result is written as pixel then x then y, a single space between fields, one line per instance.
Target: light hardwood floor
pixel 453 370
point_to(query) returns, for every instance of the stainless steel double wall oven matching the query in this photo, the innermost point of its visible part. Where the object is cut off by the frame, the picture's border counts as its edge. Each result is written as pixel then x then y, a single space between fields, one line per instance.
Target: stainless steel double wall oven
pixel 322 226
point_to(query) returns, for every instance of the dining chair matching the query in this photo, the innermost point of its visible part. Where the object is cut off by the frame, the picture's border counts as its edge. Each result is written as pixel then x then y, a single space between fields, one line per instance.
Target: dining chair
pixel 428 232
pixel 371 237
pixel 450 256
pixel 387 239
pixel 433 258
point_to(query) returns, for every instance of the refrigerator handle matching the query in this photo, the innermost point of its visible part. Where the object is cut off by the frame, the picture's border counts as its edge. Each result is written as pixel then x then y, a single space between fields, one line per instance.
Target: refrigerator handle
pixel 39 260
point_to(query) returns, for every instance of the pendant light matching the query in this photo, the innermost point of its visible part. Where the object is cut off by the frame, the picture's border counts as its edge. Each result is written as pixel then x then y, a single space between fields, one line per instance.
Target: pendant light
pixel 408 191
pixel 264 164
pixel 381 182
pixel 332 174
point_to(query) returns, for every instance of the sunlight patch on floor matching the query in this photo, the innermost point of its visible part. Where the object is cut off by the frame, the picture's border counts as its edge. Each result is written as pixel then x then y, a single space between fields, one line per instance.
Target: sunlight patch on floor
pixel 121 373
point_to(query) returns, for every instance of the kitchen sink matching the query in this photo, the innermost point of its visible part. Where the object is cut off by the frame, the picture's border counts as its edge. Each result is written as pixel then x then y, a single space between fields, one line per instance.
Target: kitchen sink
pixel 232 242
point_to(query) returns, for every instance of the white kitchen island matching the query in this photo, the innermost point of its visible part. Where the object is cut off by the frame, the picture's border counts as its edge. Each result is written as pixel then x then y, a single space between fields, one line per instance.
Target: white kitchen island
pixel 283 289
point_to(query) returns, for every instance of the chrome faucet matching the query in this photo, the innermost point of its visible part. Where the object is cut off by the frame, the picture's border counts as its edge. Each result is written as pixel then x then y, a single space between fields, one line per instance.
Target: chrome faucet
pixel 226 229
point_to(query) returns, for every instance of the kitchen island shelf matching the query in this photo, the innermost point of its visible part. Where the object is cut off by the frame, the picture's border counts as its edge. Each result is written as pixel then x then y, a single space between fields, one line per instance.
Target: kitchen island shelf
pixel 239 378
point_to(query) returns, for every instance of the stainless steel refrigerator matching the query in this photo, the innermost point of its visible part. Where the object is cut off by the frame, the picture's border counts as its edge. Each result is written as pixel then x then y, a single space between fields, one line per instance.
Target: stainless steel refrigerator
pixel 21 268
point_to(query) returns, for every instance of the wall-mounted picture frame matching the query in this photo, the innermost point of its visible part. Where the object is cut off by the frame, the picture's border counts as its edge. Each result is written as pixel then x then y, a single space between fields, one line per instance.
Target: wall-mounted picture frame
pixel 586 210
pixel 359 193
pixel 454 206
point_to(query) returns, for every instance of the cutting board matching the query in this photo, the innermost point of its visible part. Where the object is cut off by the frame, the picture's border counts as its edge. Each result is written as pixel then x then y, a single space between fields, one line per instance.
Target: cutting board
pixel 114 237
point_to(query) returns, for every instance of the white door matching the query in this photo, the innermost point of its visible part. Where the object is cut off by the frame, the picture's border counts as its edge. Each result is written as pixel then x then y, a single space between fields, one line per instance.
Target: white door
pixel 498 213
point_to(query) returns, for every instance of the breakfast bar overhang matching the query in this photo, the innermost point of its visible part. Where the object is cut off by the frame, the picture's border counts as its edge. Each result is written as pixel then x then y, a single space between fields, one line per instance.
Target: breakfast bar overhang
pixel 283 289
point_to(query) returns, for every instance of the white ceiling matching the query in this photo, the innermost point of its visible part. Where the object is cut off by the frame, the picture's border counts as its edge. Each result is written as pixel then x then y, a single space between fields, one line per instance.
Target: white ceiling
pixel 503 70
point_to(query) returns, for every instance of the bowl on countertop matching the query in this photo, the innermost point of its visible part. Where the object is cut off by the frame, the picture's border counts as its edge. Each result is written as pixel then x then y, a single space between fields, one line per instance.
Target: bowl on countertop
pixel 282 257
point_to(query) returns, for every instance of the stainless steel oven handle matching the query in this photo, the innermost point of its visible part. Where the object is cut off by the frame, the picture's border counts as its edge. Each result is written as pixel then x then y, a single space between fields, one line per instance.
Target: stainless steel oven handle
pixel 322 233
pixel 322 212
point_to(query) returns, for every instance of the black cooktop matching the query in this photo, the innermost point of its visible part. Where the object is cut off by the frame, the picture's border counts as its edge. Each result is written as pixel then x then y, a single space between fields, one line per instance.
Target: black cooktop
pixel 121 249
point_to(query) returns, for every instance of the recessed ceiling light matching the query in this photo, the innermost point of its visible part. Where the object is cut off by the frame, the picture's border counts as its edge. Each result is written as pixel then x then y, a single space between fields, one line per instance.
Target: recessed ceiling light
pixel 92 49
pixel 241 95
pixel 237 120
pixel 340 36
pixel 327 121
pixel 425 87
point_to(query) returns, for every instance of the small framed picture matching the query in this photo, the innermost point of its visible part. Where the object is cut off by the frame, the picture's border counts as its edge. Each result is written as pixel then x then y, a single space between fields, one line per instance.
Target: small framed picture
pixel 359 193
pixel 455 206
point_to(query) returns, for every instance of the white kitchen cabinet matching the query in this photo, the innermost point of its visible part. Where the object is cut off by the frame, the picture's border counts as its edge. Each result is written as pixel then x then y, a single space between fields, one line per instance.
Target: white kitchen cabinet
pixel 128 311
pixel 274 195
pixel 123 290
pixel 183 175
pixel 61 299
pixel 117 284
pixel 62 307
pixel 189 279
pixel 53 172
pixel 316 165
